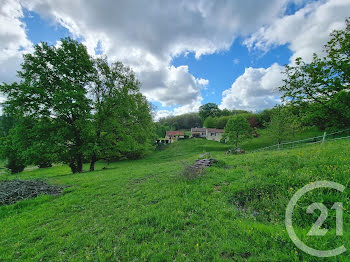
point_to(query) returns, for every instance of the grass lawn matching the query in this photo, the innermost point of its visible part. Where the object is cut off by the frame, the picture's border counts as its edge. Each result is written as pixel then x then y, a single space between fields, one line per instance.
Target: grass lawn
pixel 266 140
pixel 146 210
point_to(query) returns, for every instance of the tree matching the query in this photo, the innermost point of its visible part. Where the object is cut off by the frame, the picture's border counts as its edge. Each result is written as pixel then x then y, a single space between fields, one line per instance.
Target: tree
pixel 6 123
pixel 264 117
pixel 283 123
pixel 210 122
pixel 184 121
pixel 252 122
pixel 221 122
pixel 225 112
pixel 53 89
pixel 209 109
pixel 122 122
pixel 325 81
pixel 237 128
pixel 12 150
pixel 161 130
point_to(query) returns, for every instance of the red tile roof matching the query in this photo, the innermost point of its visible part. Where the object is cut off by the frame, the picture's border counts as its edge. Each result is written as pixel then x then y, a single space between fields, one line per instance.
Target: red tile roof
pixel 196 129
pixel 175 133
pixel 215 130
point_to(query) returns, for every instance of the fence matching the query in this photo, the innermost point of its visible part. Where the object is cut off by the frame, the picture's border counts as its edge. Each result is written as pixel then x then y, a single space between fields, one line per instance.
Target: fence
pixel 308 141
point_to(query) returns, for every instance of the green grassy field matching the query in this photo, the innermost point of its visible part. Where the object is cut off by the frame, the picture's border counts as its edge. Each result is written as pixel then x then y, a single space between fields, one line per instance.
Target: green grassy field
pixel 147 210
pixel 265 139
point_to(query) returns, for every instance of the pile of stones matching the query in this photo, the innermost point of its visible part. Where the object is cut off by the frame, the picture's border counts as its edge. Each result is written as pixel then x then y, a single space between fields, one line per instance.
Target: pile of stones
pixel 12 191
pixel 202 163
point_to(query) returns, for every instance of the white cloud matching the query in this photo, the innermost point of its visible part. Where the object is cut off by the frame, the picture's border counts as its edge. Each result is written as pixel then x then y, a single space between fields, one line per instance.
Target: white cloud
pixel 188 108
pixel 256 89
pixel 162 113
pixel 146 35
pixel 172 86
pixel 306 31
pixel 13 39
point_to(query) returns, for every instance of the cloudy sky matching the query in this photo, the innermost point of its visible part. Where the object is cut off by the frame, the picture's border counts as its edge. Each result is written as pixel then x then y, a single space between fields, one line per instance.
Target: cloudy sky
pixel 186 53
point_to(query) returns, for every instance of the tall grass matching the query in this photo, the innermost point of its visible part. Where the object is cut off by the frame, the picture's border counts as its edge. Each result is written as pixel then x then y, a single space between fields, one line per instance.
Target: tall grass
pixel 145 210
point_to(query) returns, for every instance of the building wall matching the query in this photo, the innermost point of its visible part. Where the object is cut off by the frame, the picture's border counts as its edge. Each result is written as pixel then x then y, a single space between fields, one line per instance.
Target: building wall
pixel 214 136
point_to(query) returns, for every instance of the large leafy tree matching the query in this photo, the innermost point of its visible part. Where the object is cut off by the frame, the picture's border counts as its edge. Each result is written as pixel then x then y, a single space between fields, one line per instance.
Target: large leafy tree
pixel 209 109
pixel 323 85
pixel 210 122
pixel 122 121
pixel 236 129
pixel 283 123
pixel 53 89
pixel 6 123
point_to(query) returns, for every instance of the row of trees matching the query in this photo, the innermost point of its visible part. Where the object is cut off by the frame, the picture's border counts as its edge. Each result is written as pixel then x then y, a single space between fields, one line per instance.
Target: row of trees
pixel 185 121
pixel 282 124
pixel 212 110
pixel 69 107
pixel 256 120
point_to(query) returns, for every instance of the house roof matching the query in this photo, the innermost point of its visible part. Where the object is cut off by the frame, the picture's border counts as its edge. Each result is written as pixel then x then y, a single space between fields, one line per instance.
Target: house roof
pixel 175 133
pixel 196 129
pixel 215 130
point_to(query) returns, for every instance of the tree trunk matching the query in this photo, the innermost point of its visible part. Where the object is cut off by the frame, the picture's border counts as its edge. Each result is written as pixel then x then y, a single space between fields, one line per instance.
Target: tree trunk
pixel 79 163
pixel 73 167
pixel 93 161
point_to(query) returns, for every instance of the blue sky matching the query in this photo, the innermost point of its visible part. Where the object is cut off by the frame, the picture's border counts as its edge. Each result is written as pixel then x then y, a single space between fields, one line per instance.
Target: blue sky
pixel 221 68
pixel 227 52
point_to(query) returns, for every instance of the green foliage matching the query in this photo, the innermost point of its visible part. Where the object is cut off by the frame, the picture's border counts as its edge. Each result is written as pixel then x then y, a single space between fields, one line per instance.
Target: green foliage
pixel 185 121
pixel 237 128
pixel 76 109
pixel 210 122
pixel 324 82
pixel 6 123
pixel 161 129
pixel 52 89
pixel 222 121
pixel 12 150
pixel 209 109
pixel 264 117
pixel 283 123
pixel 122 123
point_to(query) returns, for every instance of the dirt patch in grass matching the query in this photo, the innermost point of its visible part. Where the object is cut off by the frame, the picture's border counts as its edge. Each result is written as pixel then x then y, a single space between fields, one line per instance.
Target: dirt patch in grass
pixel 12 191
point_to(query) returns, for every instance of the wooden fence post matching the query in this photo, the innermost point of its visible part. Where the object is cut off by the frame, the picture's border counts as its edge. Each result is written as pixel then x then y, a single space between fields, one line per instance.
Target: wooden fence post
pixel 324 137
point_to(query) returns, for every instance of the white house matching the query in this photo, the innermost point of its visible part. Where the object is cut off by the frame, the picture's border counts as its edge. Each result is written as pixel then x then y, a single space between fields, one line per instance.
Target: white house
pixel 214 134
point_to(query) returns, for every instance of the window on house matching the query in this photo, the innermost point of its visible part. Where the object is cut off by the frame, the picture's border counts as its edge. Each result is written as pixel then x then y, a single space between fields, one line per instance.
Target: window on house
pixel 212 134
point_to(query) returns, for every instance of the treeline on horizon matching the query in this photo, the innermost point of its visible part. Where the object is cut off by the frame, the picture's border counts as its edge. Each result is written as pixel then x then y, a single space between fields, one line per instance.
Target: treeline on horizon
pixel 71 108
pixel 209 116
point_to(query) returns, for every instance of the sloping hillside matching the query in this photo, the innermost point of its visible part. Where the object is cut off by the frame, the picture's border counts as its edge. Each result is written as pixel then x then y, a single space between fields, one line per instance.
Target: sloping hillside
pixel 147 210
